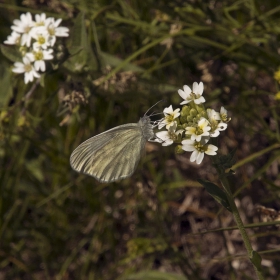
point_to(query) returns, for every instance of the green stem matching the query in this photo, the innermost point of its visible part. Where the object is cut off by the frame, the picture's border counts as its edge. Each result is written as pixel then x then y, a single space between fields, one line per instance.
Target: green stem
pixel 253 255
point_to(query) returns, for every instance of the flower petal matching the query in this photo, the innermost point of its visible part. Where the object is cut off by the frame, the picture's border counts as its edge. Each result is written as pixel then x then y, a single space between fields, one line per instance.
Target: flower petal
pixel 195 87
pixel 187 89
pixel 200 88
pixel 185 102
pixel 199 100
pixel 168 110
pixel 211 150
pixel 182 94
pixel 199 158
pixel 194 156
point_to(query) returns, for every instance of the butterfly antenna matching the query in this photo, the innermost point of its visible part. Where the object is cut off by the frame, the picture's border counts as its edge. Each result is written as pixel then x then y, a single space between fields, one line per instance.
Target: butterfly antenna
pixel 152 107
pixel 156 114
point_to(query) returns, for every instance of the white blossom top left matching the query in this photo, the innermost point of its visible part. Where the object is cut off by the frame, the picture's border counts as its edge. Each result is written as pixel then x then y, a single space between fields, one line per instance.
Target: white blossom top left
pixel 35 40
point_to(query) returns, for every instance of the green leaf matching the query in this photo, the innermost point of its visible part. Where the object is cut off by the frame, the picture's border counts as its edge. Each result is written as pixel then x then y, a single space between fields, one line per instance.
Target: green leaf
pixel 11 53
pixel 82 57
pixel 154 275
pixel 217 193
pixel 78 35
pixel 256 259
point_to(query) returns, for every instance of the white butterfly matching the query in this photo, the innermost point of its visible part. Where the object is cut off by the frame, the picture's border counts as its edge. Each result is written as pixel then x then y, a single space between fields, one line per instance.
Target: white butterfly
pixel 115 153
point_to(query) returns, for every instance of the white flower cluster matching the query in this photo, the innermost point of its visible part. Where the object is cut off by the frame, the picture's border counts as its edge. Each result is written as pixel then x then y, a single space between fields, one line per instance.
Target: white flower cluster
pixel 35 40
pixel 193 126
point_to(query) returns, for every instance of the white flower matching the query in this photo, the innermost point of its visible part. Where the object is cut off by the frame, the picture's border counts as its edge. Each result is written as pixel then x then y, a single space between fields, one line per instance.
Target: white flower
pixel 167 137
pixel 40 20
pixel 223 115
pixel 213 115
pixel 192 95
pixel 198 149
pixel 13 39
pixel 42 40
pixel 215 123
pixel 55 31
pixel 39 58
pixel 169 118
pixel 24 26
pixel 202 129
pixel 27 68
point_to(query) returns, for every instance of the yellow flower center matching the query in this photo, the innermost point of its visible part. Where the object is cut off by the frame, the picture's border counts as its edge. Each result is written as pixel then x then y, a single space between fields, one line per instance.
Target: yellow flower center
pixel 28 67
pixel 198 131
pixel 38 55
pixel 169 118
pixel 201 148
pixel 172 135
pixel 41 40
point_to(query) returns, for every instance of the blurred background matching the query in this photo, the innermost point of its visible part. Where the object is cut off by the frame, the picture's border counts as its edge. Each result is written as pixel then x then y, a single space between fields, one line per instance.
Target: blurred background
pixel 120 59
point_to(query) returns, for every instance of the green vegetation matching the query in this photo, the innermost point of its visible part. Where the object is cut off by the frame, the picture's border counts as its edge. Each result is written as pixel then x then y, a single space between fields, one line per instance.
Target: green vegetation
pixel 120 59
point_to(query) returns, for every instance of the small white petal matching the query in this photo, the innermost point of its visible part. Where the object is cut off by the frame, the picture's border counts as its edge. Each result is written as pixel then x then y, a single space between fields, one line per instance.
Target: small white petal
pixel 13 39
pixel 40 65
pixel 199 100
pixel 185 102
pixel 29 56
pixel 188 145
pixel 190 130
pixel 199 158
pixel 62 31
pixel 182 94
pixel 18 67
pixel 57 22
pixel 194 156
pixel 203 123
pixel 187 89
pixel 200 88
pixel 211 150
pixel 162 135
pixel 168 110
pixel 167 142
pixel 195 137
pixel 52 40
pixel 223 111
pixel 195 87
pixel 188 148
pixel 28 77
pixel 187 142
pixel 222 126
pixel 215 133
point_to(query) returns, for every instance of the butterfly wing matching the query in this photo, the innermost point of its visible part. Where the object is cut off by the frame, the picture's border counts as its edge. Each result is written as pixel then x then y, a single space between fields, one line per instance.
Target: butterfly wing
pixel 111 155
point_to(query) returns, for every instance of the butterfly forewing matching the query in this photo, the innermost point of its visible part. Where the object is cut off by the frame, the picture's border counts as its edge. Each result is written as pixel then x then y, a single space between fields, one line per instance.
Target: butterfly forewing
pixel 111 155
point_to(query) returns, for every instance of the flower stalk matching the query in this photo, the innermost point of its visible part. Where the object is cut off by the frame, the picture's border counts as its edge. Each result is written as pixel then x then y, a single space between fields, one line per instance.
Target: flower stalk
pixel 253 256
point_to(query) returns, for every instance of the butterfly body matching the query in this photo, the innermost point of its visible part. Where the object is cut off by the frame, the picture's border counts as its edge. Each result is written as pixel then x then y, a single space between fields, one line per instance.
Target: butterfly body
pixel 115 153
